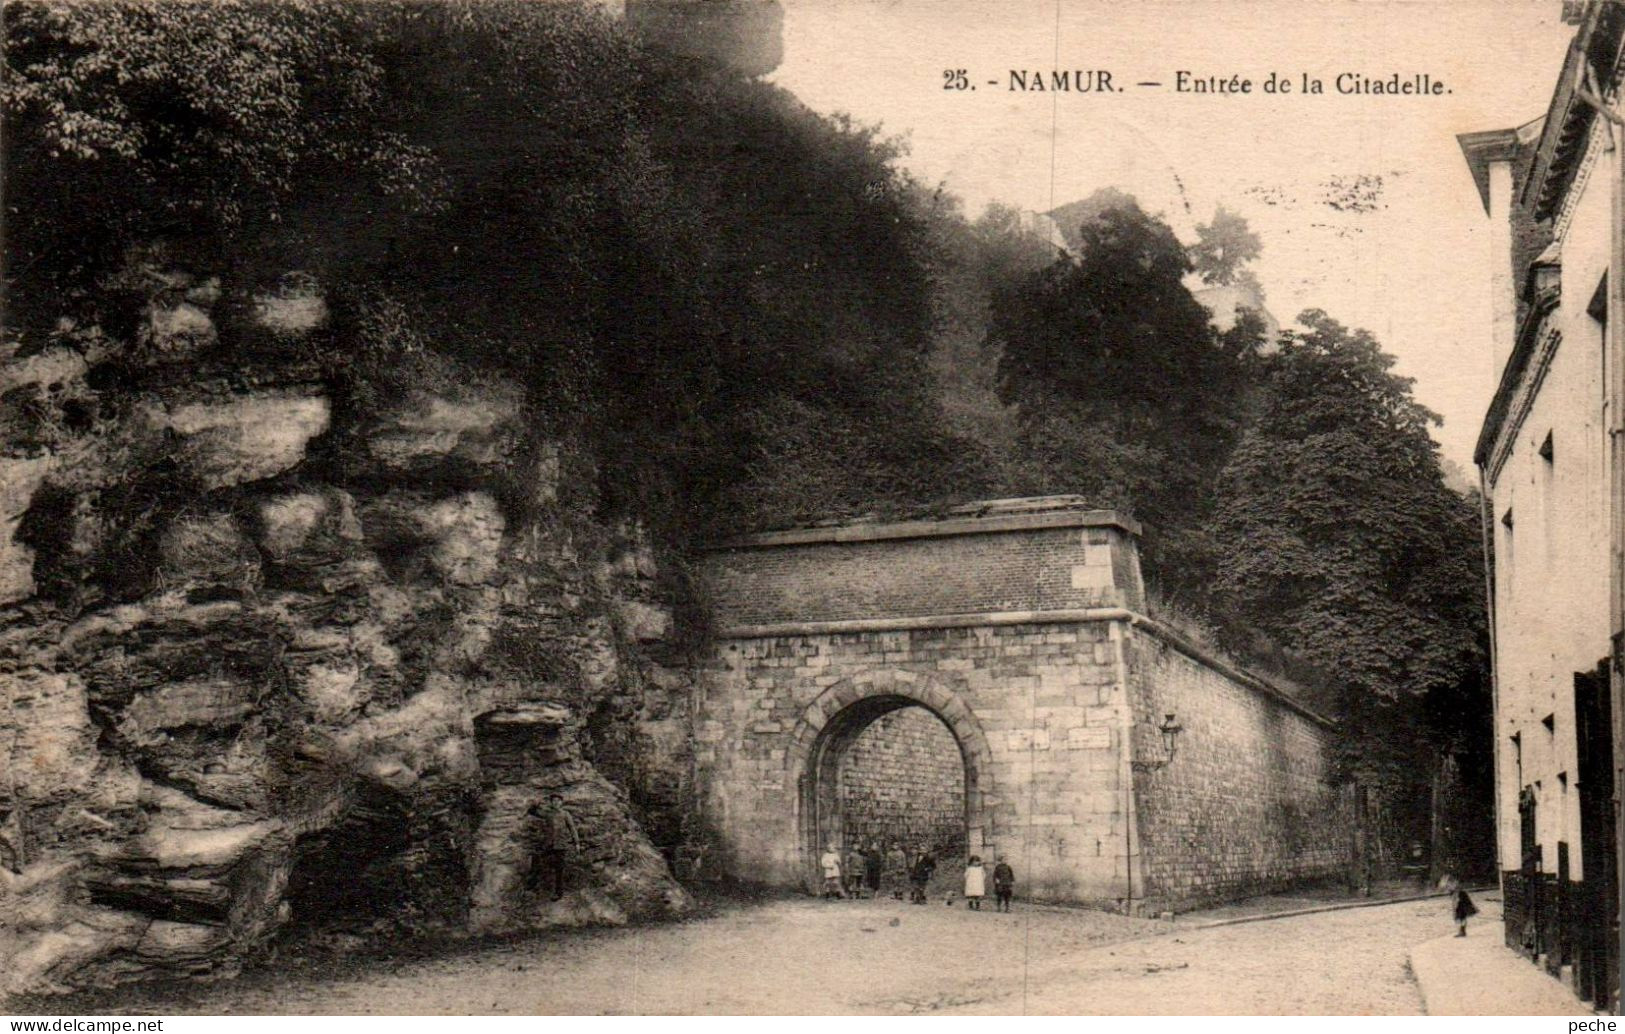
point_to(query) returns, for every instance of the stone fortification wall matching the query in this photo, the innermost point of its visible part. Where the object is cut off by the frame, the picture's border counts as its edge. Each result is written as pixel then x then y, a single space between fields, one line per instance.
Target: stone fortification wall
pixel 1017 625
pixel 1002 563
pixel 1036 711
pixel 1248 804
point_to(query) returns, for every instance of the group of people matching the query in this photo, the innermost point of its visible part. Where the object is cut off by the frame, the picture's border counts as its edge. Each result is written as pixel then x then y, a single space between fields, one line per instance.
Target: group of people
pixel 864 869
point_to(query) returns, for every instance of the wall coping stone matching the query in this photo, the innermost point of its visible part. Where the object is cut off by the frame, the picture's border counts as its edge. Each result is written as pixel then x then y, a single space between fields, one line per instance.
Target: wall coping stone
pixel 1155 628
pixel 976 519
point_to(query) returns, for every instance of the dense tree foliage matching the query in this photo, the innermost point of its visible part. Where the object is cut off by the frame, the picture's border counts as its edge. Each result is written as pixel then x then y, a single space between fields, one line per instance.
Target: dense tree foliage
pixel 971 263
pixel 1337 536
pixel 1340 535
pixel 724 293
pixel 1126 392
pixel 1297 511
pixel 194 123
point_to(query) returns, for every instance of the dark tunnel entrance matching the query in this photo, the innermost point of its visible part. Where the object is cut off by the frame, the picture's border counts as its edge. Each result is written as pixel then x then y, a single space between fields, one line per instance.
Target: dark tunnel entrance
pixel 890 775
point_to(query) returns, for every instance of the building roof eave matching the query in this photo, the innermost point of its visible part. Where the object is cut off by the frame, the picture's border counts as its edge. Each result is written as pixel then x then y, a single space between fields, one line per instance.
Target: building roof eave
pixel 987 517
pixel 1567 129
pixel 1511 377
pixel 1482 148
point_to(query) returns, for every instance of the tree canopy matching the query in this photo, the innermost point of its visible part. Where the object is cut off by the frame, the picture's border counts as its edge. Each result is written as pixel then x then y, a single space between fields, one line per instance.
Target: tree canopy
pixel 1125 390
pixel 1338 536
pixel 1223 246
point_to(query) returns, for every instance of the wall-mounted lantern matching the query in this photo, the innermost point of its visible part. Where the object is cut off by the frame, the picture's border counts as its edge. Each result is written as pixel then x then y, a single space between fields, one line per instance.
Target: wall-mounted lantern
pixel 1169 731
pixel 1170 735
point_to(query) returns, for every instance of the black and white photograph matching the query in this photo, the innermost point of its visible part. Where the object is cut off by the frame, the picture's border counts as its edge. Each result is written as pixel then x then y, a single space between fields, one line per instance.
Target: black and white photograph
pixel 862 508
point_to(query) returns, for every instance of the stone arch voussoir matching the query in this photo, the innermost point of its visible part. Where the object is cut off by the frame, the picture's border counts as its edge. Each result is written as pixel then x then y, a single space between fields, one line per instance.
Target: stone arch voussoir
pixel 922 690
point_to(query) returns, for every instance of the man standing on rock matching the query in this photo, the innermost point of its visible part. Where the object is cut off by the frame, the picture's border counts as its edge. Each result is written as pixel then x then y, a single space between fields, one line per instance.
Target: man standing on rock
pixel 556 839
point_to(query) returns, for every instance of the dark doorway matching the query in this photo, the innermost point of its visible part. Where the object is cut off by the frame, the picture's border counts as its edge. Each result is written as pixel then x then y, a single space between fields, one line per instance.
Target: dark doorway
pixel 1593 902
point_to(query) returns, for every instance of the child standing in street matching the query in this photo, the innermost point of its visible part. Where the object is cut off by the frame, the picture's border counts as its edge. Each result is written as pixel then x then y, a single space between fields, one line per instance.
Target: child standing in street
pixel 831 863
pixel 975 883
pixel 920 877
pixel 896 869
pixel 1465 910
pixel 873 863
pixel 1004 885
pixel 853 872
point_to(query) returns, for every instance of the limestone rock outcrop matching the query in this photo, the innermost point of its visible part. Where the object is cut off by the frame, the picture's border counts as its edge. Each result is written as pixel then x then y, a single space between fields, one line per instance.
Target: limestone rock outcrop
pixel 272 664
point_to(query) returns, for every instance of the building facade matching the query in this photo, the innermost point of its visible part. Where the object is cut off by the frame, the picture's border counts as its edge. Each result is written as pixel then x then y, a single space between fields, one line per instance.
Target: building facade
pixel 1547 472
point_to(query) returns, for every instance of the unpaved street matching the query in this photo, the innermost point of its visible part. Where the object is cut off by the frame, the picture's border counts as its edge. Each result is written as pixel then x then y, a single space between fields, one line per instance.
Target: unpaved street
pixel 1352 962
pixel 848 957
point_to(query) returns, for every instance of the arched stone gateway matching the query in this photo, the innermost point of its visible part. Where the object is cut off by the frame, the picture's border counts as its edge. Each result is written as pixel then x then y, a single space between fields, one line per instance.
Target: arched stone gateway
pixel 829 726
pixel 1021 625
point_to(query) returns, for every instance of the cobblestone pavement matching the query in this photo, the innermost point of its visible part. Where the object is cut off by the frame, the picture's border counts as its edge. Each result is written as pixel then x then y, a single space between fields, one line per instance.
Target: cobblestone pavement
pixel 804 956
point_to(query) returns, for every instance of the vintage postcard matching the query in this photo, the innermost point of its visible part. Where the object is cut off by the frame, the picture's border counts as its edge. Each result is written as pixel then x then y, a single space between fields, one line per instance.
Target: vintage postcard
pixel 811 507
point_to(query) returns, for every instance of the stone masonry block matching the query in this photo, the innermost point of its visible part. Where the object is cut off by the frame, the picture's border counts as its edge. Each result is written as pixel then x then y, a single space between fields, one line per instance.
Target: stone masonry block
pixel 1028 739
pixel 1106 715
pixel 1087 576
pixel 1089 738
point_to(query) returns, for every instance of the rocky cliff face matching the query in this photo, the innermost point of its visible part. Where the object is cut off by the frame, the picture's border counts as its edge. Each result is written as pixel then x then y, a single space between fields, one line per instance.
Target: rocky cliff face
pixel 271 662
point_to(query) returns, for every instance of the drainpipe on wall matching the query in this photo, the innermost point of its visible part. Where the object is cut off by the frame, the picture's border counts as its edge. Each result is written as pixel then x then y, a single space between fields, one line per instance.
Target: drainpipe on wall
pixel 1497 151
pixel 1119 633
pixel 1616 346
pixel 1486 530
